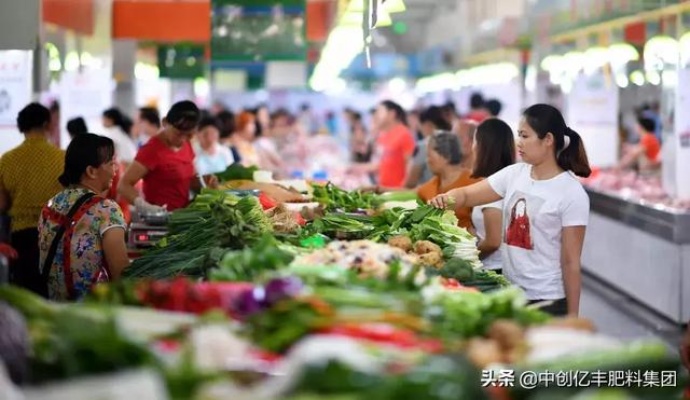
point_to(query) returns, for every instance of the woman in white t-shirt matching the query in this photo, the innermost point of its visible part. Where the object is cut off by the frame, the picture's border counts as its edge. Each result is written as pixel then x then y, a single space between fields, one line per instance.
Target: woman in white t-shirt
pixel 494 149
pixel 545 209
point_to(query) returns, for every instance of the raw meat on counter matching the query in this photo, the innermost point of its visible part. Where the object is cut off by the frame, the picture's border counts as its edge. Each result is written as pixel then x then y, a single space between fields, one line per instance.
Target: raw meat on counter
pixel 633 186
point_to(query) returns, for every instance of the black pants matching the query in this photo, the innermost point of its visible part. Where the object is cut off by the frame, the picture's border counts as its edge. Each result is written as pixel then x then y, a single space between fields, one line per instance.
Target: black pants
pixel 25 271
pixel 557 308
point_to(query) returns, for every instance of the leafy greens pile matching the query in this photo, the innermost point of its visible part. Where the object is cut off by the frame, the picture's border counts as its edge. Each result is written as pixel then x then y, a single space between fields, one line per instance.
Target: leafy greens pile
pixel 201 234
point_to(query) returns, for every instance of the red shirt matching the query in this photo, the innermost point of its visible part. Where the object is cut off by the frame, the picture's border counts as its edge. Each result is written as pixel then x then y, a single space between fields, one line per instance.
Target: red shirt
pixel 651 145
pixel 170 173
pixel 478 116
pixel 396 146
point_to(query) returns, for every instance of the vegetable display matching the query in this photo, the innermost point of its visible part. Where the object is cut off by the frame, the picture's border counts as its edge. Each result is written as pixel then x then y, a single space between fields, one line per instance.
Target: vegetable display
pixel 364 302
pixel 200 237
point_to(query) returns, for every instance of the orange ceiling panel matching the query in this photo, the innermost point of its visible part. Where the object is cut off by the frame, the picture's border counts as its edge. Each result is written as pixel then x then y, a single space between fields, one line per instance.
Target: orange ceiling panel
pixel 163 21
pixel 76 15
pixel 319 19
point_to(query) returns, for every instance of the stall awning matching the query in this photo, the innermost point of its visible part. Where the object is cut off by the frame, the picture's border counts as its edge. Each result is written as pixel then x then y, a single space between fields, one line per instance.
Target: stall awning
pixel 75 15
pixel 162 20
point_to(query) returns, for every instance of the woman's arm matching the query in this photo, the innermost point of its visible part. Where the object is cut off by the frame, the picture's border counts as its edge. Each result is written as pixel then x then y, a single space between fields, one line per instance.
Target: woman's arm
pixel 572 240
pixel 115 251
pixel 493 225
pixel 133 175
pixel 414 176
pixel 367 168
pixel 468 196
pixel 629 159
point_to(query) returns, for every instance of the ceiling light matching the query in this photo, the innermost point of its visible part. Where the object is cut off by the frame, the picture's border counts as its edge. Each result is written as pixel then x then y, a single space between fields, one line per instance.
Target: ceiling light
pixel 395 6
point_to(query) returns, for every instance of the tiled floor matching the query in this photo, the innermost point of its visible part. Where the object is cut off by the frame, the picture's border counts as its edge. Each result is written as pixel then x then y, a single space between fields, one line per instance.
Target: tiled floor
pixel 616 315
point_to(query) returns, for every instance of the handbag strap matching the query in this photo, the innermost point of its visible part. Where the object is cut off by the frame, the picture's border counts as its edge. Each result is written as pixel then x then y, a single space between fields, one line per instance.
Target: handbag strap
pixel 67 247
pixel 47 264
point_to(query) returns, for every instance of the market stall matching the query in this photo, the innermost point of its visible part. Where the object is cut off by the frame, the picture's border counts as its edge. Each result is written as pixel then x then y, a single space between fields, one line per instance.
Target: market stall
pixel 638 242
pixel 362 296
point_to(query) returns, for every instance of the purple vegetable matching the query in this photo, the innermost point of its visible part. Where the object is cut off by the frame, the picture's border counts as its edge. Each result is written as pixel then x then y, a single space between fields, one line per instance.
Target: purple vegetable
pixel 281 288
pixel 250 302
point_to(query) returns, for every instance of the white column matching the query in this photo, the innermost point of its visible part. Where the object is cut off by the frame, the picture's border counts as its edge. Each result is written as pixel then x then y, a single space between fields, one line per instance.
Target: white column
pixel 124 60
pixel 676 155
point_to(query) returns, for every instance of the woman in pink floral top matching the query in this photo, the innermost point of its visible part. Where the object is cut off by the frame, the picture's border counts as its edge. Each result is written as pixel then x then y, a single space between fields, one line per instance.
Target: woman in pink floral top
pixel 92 248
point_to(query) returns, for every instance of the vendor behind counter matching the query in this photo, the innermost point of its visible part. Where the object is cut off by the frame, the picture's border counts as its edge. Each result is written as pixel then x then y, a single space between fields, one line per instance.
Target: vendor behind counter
pixel 646 155
pixel 166 164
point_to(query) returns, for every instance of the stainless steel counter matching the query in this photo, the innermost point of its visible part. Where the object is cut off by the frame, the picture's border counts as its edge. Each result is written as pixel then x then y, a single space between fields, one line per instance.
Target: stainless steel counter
pixel 667 223
pixel 641 250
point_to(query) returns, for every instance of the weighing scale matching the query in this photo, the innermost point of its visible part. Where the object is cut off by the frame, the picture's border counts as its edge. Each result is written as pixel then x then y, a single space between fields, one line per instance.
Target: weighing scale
pixel 146 230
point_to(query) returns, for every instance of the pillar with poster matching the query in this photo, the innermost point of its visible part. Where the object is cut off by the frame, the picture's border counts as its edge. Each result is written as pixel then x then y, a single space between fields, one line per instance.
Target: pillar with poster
pixel 679 140
pixel 592 101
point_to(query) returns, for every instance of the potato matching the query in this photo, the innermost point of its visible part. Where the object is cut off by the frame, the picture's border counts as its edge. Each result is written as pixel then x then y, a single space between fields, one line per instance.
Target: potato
pixel 402 242
pixel 508 334
pixel 515 355
pixel 431 260
pixel 484 352
pixel 580 324
pixel 425 246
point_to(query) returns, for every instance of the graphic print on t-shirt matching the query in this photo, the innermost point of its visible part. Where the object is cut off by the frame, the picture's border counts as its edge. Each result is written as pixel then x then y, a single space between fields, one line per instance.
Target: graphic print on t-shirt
pixel 522 207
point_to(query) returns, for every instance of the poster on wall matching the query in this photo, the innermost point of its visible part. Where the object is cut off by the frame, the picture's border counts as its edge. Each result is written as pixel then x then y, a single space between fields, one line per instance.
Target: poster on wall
pixel 258 30
pixel 678 153
pixel 15 84
pixel 592 111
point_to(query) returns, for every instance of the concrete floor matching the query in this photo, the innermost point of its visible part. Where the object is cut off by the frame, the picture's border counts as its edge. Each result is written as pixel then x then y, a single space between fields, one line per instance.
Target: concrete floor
pixel 619 316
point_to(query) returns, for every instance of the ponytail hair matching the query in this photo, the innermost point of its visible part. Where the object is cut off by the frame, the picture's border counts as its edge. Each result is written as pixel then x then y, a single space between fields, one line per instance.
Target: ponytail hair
pixel 569 149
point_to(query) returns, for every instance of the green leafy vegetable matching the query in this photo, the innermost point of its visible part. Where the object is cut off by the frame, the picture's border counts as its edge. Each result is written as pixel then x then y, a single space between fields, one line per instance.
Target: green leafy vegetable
pixel 334 198
pixel 200 246
pixel 249 263
pixel 237 172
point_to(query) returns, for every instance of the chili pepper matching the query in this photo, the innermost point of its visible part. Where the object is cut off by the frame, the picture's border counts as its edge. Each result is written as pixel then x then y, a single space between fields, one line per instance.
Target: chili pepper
pixel 385 334
pixel 267 202
pixel 300 219
pixel 320 306
pixel 168 345
pixel 265 355
pixel 453 284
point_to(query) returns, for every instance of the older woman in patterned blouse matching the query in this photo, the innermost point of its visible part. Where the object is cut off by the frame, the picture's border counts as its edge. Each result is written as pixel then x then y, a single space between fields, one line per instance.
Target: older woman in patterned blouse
pixel 82 233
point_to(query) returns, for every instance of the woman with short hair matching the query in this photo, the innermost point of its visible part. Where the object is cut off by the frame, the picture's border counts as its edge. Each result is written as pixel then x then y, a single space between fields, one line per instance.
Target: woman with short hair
pixel 445 160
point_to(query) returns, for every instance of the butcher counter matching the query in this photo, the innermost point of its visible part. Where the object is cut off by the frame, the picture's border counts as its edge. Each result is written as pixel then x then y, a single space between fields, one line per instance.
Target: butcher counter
pixel 641 250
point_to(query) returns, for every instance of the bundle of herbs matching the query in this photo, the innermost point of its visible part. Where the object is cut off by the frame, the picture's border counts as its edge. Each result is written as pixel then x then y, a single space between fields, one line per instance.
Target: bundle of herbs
pixel 334 198
pixel 201 209
pixel 201 245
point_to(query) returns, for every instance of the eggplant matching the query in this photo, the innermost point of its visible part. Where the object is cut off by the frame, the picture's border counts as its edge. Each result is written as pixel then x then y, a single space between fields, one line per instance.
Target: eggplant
pixel 14 343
